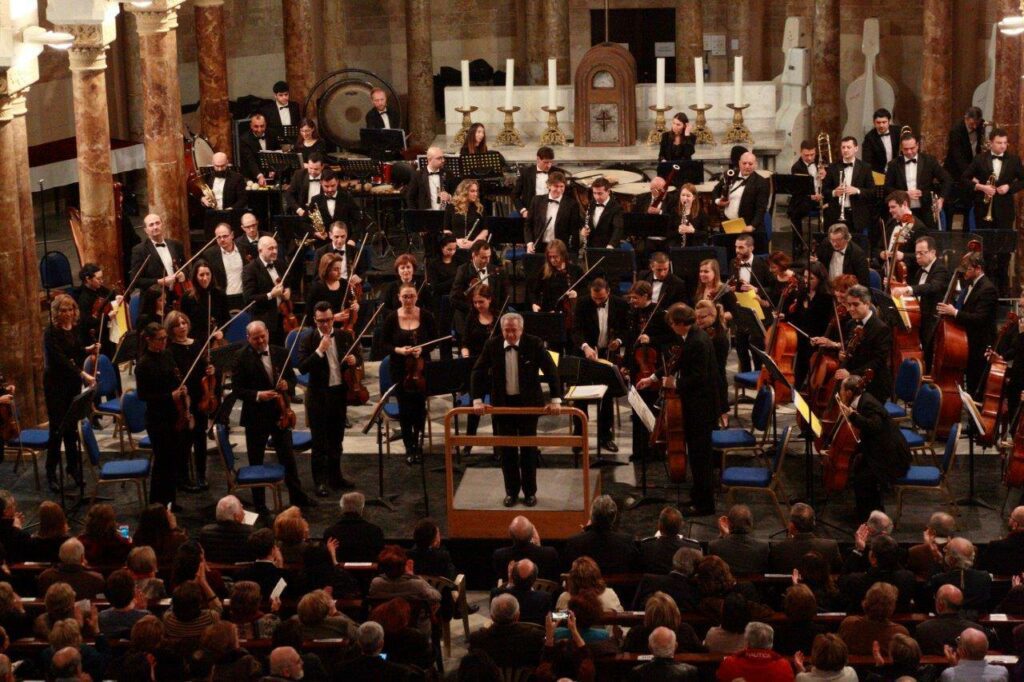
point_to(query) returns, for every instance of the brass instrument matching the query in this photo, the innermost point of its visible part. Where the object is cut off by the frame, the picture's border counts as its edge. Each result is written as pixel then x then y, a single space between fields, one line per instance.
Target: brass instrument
pixel 318 221
pixel 986 145
pixel 824 161
pixel 988 199
pixel 935 211
pixel 208 195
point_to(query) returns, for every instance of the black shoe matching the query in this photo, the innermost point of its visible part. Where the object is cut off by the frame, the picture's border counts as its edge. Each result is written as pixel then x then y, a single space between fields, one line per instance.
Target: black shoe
pixel 304 502
pixel 609 445
pixel 509 500
pixel 473 608
pixel 321 491
pixel 190 488
pixel 530 501
pixel 413 457
pixel 345 484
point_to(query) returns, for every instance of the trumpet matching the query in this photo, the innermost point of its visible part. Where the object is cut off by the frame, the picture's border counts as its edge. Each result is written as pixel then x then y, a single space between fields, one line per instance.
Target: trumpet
pixel 988 199
pixel 842 200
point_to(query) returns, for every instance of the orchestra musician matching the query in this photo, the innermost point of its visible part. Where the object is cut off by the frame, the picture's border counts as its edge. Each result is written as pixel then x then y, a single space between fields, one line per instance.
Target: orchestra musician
pixel 553 216
pixel 329 286
pixel 305 185
pixel 63 378
pixel 746 196
pixel 780 277
pixel 711 318
pixel 692 229
pixel 165 257
pixel 441 271
pixel 965 141
pixel 93 290
pixel 881 143
pixel 603 226
pixel 599 325
pixel 1011 350
pixel 813 314
pixel 184 349
pixel 227 184
pixel 309 141
pixel 158 382
pixel 928 282
pixel 464 216
pixel 849 186
pixel 551 290
pixel 749 274
pixel 919 175
pixel 248 241
pixel 431 186
pixel 646 331
pixel 478 329
pixel 262 283
pixel 666 288
pixel 477 271
pixel 476 140
pixel 250 144
pixel 532 181
pixel 206 301
pixel 679 143
pixel 403 330
pixel 975 309
pixel 381 115
pixel 711 288
pixel 345 249
pixel 323 359
pixel 842 256
pixel 405 268
pixel 255 382
pixel 152 304
pixel 667 203
pixel 280 113
pixel 800 205
pixel 335 204
pixel 873 348
pixel 693 372
pixel 898 203
pixel 883 455
pixel 226 262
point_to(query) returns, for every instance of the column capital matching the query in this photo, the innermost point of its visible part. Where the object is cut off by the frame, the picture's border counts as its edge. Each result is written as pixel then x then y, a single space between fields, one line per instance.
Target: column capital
pixel 87 58
pixel 160 17
pixel 209 3
pixel 12 106
pixel 88 51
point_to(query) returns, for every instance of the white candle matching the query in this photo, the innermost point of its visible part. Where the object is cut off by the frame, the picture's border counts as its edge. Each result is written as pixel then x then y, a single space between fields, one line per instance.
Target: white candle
pixel 698 79
pixel 737 84
pixel 510 66
pixel 552 83
pixel 661 83
pixel 465 83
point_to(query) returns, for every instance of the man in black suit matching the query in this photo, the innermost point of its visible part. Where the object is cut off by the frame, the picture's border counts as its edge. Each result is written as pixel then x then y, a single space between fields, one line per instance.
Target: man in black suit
pixel 786 554
pixel 927 281
pixel 736 546
pixel 920 176
pixel 255 382
pixel 552 216
pixel 693 374
pixel 533 181
pixel 975 309
pixel 358 539
pixel 666 287
pixel 227 539
pixel 534 605
pixel 370 665
pixel 598 328
pixel 1005 556
pixel 266 568
pixel 228 186
pixel 165 257
pixel 227 262
pixel 525 545
pixel 335 204
pixel 656 551
pixel 509 643
pixel 883 455
pixel 381 116
pixel 342 246
pixel 512 363
pixel 945 628
pixel 667 202
pixel 746 196
pixel 480 269
pixel 305 185
pixel 849 189
pixel 248 241
pixel 613 551
pixel 965 141
pixel 280 113
pixel 250 144
pixel 976 584
pixel 841 256
pixel 903 222
pixel 603 225
pixel 431 185
pixel 262 284
pixel 324 358
pixel 800 206
pixel 883 567
pixel 882 143
pixel 678 583
pixel 872 351
pixel 751 274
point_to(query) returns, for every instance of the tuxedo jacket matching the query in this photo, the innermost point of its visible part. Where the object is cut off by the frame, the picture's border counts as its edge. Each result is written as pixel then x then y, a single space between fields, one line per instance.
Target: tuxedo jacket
pixel 673 289
pixel 669 205
pixel 235 197
pixel 249 249
pixel 800 204
pixel 350 257
pixel 929 294
pixel 489 372
pixel 345 210
pixel 154 269
pixel 375 121
pixel 465 274
pixel 275 130
pixel 526 186
pixel 872 152
pixel 417 194
pixel 959 150
pixel 585 329
pixel 319 368
pixel 761 274
pixel 567 220
pixel 883 449
pixel 931 177
pixel 872 353
pixel 754 202
pixel 978 316
pixel 854 263
pixel 858 210
pixel 298 190
pixel 696 375
pixel 1003 210
pixel 249 376
pixel 256 284
pixel 249 151
pixel 608 230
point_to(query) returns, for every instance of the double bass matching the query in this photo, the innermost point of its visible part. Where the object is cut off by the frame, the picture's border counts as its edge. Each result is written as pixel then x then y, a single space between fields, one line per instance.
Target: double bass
pixel 823 365
pixel 992 402
pixel 1013 453
pixel 949 362
pixel 906 341
pixel 670 429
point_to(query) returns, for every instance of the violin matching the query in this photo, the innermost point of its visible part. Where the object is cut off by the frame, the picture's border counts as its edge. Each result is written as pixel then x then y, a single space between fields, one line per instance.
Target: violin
pixel 9 429
pixel 995 379
pixel 414 381
pixel 1013 477
pixel 670 429
pixel 184 421
pixel 830 417
pixel 289 322
pixel 353 292
pixel 286 415
pixel 209 400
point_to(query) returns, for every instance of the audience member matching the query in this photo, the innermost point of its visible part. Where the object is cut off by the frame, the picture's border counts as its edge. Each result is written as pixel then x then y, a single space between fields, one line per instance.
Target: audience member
pixel 52 532
pixel 227 539
pixel 13 619
pixel 662 668
pixel 321 570
pixel 289 634
pixel 525 545
pixel 358 539
pixel 736 545
pixel 104 544
pixel 798 630
pixel 812 569
pixel 828 662
pixel 246 612
pixel 148 638
pixel 66 666
pixel 428 556
pixel 661 611
pixel 267 569
pixel 285 664
pixel 194 606
pixel 397 579
pixel 883 558
pixel 142 564
pixel 878 523
pixel 678 584
pixel 402 643
pixel 925 560
pixel 613 551
pixel 728 638
pixel 715 582
pixel 1005 556
pixel 757 661
pixel 221 659
pixel 656 551
pixel 370 666
pixel 158 528
pixel 67 633
pixel 533 604
pixel 585 575
pixel 74 571
pixel 291 530
pixel 801 539
pixel 859 632
pixel 968 660
pixel 127 605
pixel 14 539
pixel 320 618
pixel 936 633
pixel 508 642
pixel 904 662
pixel 975 584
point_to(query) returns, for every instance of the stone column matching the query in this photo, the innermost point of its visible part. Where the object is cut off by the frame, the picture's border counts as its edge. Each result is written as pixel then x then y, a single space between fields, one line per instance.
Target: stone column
pixel 299 65
pixel 131 51
pixel 689 38
pixel 937 75
pixel 420 70
pixel 535 43
pixel 165 165
pixel 1008 60
pixel 750 21
pixel 214 114
pixel 555 28
pixel 519 46
pixel 334 49
pixel 825 71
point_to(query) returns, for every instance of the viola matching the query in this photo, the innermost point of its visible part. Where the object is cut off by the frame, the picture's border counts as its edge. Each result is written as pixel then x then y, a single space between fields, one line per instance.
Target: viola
pixel 353 295
pixel 670 429
pixel 355 392
pixel 1013 477
pixel 995 380
pixel 184 420
pixel 9 429
pixel 286 415
pixel 414 381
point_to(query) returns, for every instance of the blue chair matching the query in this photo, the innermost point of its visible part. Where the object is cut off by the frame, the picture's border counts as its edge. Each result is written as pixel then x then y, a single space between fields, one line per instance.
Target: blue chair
pixel 270 476
pixel 874 279
pixel 302 441
pixel 133 419
pixel 930 478
pixel 297 357
pixel 108 389
pixel 924 415
pixel 55 271
pixel 235 331
pixel 134 471
pixel 741 382
pixel 390 411
pixel 31 443
pixel 741 441
pixel 134 307
pixel 908 380
pixel 761 480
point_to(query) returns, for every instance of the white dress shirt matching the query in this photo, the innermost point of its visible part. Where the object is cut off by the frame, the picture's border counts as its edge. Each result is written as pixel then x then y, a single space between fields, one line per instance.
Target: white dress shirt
pixel 384 118
pixel 286 115
pixel 552 216
pixel 331 203
pixel 314 188
pixel 333 363
pixel 745 269
pixel 218 192
pixel 268 367
pixel 598 212
pixel 602 326
pixel 434 182
pixel 887 144
pixel 263 143
pixel 910 170
pixel 656 285
pixel 997 167
pixel 541 186
pixel 835 266
pixel 272 271
pixel 732 211
pixel 164 252
pixel 925 271
pixel 232 270
pixel 512 369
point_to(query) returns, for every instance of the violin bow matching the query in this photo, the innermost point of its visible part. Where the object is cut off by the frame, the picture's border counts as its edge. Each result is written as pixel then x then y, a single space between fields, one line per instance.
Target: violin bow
pixel 359 336
pixel 210 338
pixel 138 274
pixel 291 350
pixel 839 324
pixel 295 257
pixel 431 343
pixel 497 318
pixel 582 277
pixel 197 254
pixel 352 270
pixel 651 316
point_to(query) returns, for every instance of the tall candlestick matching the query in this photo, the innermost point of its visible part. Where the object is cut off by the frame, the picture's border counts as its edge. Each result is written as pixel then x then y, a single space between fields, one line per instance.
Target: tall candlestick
pixel 465 83
pixel 660 100
pixel 737 83
pixel 552 83
pixel 698 79
pixel 510 65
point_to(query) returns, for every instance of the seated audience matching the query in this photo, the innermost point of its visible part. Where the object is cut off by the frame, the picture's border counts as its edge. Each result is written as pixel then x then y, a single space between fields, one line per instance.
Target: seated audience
pixel 67 633
pixel 219 657
pixel 801 539
pixel 66 665
pixel 925 560
pixel 402 643
pixel 246 612
pixel 370 666
pixel 661 611
pixel 285 664
pixel 13 538
pixel 189 561
pixel 158 528
pixel 142 564
pixel 613 551
pixel 428 556
pixel 74 571
pixel 656 551
pixel 1005 556
pixel 289 633
pixel 52 532
pixel 104 545
pixel 585 575
pixel 945 627
pixel 757 661
pixel 678 584
pixel 397 579
pixel 715 583
pixel 358 539
pixel 883 558
pixel 533 604
pixel 148 639
pixel 812 569
pixel 508 642
pixel 968 660
pixel 828 662
pixel 225 541
pixel 975 584
pixel 662 668
pixel 525 545
pixel 291 531
pixel 736 545
pixel 13 619
pixel 194 606
pixel 321 620
pixel 127 605
pixel 859 632
pixel 798 630
pixel 878 523
pixel 267 569
pixel 728 638
pixel 321 570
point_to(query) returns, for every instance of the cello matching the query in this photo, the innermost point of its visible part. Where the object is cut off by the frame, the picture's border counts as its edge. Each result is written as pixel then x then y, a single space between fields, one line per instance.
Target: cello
pixel 1013 453
pixel 645 355
pixel 906 342
pixel 782 347
pixel 992 401
pixel 949 361
pixel 670 429
pixel 843 442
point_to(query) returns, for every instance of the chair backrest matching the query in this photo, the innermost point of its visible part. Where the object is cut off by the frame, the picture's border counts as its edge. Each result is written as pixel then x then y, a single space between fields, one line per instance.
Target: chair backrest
pixel 927 404
pixel 106 377
pixel 236 330
pixel 134 306
pixel 298 355
pixel 384 374
pixel 55 270
pixel 874 279
pixel 133 409
pixel 92 446
pixel 950 453
pixel 781 445
pixel 908 379
pixel 764 405
pixel 227 452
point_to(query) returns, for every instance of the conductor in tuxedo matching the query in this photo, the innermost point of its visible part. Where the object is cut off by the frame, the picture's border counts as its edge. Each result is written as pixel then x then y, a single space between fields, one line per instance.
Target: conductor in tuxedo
pixel 280 113
pixel 381 116
pixel 262 285
pixel 431 186
pixel 746 196
pixel 250 144
pixel 165 257
pixel 603 225
pixel 919 175
pixel 228 187
pixel 928 282
pixel 882 143
pixel 841 256
pixel 255 382
pixel 873 349
pixel 975 309
pixel 883 456
pixel 849 183
pixel 533 181
pixel 552 216
pixel 305 185
pixel 509 367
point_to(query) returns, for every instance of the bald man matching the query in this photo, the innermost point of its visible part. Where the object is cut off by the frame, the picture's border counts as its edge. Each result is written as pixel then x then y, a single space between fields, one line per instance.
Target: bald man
pixel 285 664
pixel 525 545
pixel 746 196
pixel 228 186
pixel 667 203
pixel 165 256
pixel 935 634
pixel 262 285
pixel 431 186
pixel 534 605
pixel 968 661
pixel 1006 555
pixel 975 584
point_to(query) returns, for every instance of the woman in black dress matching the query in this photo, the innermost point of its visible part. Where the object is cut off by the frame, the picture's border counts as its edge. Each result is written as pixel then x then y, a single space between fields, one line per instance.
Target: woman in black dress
pixel 309 141
pixel 405 267
pixel 479 327
pixel 183 349
pixel 710 319
pixel 63 378
pixel 441 271
pixel 329 286
pixel 206 305
pixel 711 288
pixel 548 293
pixel 812 315
pixel 679 143
pixel 405 328
pixel 692 229
pixel 152 303
pixel 464 216
pixel 476 140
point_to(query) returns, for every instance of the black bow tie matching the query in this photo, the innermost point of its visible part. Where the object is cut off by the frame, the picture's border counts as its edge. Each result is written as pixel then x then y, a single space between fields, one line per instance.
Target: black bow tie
pixel 994 157
pixel 270 265
pixel 597 206
pixel 161 245
pixel 434 173
pixel 906 161
pixel 316 179
pixel 841 253
pixel 602 305
pixel 556 202
pixel 282 108
pixel 328 196
pixel 512 347
pixel 260 137
pixel 340 252
pixel 263 353
pixel 847 165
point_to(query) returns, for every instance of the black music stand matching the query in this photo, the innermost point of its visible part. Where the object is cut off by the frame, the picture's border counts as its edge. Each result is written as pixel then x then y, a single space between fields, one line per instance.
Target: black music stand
pixel 382 143
pixel 290 133
pixel 647 227
pixel 81 408
pixel 689 171
pixel 363 169
pixel 645 498
pixel 505 230
pixel 617 265
pixel 578 371
pixel 423 221
pixel 548 326
pixel 486 165
pixel 974 427
pixel 798 187
pixel 447 377
pixel 283 164
pixel 377 419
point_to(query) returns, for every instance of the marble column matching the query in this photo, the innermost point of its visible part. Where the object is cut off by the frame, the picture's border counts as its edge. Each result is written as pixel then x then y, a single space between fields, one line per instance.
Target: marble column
pixel 825 71
pixel 336 48
pixel 750 21
pixel 420 70
pixel 535 43
pixel 1008 61
pixel 519 45
pixel 689 37
pixel 937 75
pixel 555 29
pixel 214 114
pixel 131 52
pixel 165 165
pixel 299 66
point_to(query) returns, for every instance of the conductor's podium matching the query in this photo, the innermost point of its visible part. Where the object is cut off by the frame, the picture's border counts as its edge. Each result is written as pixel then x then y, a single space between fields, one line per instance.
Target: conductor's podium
pixel 475 509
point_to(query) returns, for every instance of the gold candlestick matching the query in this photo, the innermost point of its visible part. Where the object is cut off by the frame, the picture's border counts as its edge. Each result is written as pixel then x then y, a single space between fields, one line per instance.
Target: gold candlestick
pixel 737 132
pixel 460 137
pixel 552 134
pixel 700 125
pixel 654 137
pixel 509 136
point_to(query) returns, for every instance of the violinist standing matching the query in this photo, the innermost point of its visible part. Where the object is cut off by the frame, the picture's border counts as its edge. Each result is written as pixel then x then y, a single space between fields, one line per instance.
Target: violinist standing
pixel 690 374
pixel 326 405
pixel 262 282
pixel 256 383
pixel 710 319
pixel 1011 349
pixel 206 305
pixel 93 301
pixel 883 455
pixel 975 309
pixel 165 256
pixel 183 349
pixel 159 384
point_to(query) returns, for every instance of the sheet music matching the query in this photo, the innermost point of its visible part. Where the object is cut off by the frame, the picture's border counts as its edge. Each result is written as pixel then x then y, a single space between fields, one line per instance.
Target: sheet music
pixel 640 408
